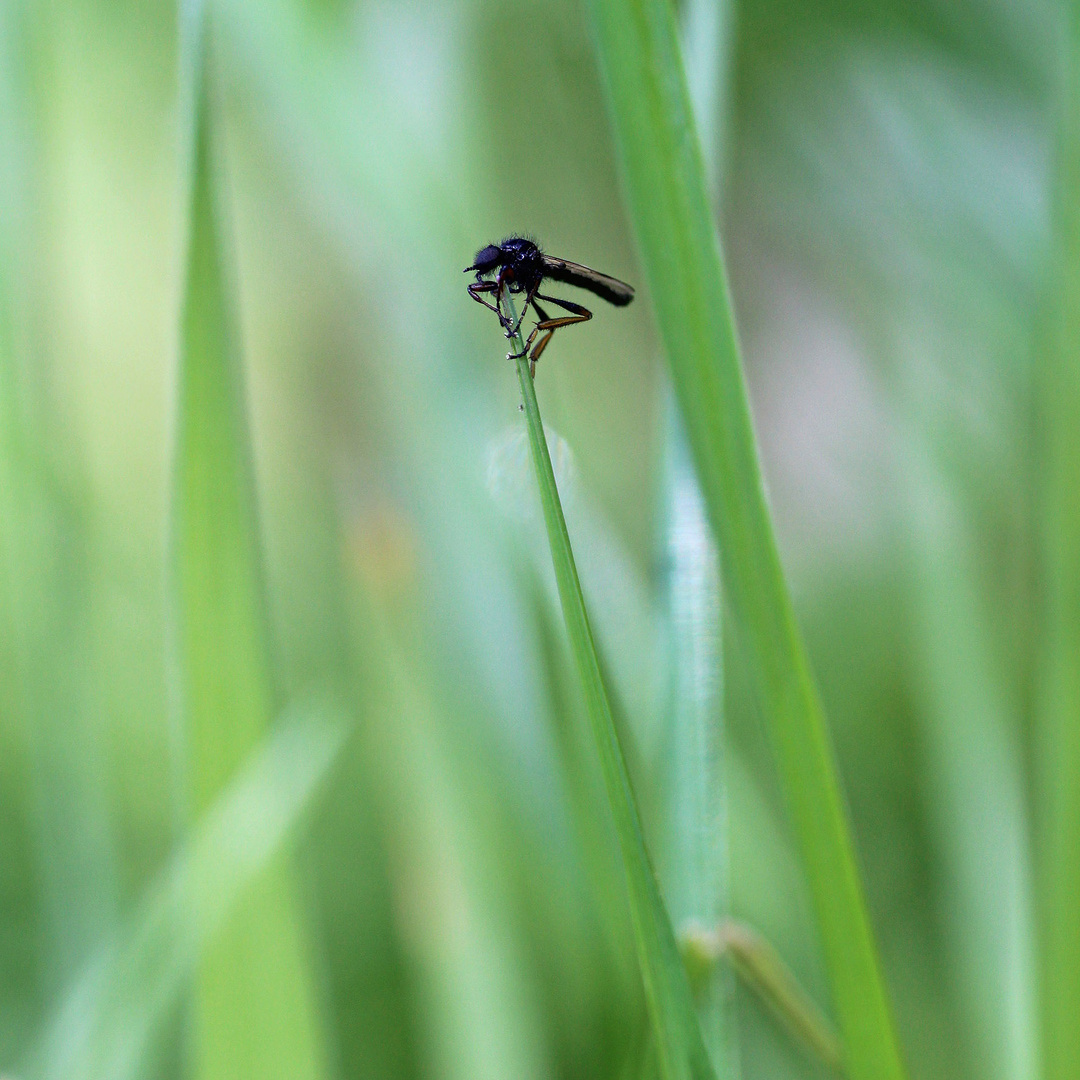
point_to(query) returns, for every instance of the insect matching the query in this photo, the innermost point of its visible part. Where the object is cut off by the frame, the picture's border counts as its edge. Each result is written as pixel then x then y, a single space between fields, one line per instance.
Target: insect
pixel 520 266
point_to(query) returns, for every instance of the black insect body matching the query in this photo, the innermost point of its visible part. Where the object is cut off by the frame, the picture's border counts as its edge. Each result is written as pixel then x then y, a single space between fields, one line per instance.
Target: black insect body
pixel 520 266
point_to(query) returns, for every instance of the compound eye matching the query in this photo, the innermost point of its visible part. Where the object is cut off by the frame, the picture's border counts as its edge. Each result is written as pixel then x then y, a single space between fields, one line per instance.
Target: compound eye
pixel 487 259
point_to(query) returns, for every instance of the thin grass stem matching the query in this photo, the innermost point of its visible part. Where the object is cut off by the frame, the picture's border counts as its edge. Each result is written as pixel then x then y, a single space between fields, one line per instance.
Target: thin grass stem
pixel 680 1050
pixel 664 178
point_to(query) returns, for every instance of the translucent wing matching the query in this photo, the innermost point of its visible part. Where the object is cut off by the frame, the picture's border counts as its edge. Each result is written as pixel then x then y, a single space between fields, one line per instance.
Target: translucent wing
pixel 607 288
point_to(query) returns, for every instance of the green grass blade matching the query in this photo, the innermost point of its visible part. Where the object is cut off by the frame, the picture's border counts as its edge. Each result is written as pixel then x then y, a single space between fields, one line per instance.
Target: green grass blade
pixel 472 1017
pixel 664 180
pixel 708 39
pixel 680 1050
pixel 762 970
pixel 256 1011
pixel 976 812
pixel 695 865
pixel 110 1014
pixel 44 582
pixel 1058 395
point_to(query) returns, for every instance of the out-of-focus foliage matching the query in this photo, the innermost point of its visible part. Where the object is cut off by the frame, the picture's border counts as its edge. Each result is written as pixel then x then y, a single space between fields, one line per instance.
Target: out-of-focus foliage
pixel 886 214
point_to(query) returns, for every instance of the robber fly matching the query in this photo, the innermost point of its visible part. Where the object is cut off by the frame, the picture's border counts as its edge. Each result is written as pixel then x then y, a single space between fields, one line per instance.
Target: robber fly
pixel 520 266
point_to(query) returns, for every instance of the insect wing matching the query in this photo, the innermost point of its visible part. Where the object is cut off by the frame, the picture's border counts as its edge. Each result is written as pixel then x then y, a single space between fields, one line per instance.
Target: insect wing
pixel 607 288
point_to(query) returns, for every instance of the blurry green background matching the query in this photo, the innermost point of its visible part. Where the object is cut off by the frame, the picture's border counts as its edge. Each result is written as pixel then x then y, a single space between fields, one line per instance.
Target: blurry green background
pixel 883 190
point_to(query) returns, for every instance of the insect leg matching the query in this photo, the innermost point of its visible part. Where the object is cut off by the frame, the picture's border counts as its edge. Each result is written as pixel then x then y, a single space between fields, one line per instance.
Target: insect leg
pixel 477 287
pixel 542 316
pixel 511 331
pixel 496 287
pixel 547 327
pixel 577 313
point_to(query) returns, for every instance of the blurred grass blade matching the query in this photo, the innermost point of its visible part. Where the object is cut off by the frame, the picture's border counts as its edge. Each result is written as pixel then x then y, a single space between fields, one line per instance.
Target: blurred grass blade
pixel 44 582
pixel 976 811
pixel 680 1050
pixel 256 1011
pixel 474 1015
pixel 1058 470
pixel 760 967
pixel 695 862
pixel 664 179
pixel 695 859
pixel 708 39
pixel 12 195
pixel 112 1012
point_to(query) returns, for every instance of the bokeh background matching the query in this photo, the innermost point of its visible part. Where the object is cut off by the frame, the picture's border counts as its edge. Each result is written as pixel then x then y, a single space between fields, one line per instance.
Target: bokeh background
pixel 882 179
